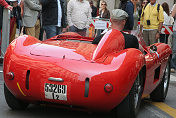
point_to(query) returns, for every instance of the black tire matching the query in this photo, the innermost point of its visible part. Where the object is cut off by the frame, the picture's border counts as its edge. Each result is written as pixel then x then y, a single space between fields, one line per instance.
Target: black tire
pixel 160 93
pixel 129 107
pixel 13 102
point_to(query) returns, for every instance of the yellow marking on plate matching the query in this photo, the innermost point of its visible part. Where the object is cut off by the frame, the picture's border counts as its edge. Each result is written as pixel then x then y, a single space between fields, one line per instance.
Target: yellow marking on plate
pixel 20 89
pixel 164 107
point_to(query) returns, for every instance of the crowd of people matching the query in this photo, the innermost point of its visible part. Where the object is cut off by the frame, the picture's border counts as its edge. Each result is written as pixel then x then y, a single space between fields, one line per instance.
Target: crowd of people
pixel 57 16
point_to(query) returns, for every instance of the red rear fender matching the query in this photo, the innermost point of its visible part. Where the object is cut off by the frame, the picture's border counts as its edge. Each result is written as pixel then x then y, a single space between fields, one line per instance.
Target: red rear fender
pixel 23 44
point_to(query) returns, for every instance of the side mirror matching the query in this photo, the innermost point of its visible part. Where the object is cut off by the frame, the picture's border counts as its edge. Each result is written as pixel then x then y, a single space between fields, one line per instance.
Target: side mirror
pixel 153 49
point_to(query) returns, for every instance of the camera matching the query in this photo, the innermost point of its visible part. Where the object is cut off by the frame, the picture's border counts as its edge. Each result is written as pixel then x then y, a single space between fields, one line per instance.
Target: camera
pixel 148 22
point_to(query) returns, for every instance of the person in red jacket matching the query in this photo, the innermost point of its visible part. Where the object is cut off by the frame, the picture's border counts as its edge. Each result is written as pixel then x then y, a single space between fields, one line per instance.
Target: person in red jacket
pixel 5 4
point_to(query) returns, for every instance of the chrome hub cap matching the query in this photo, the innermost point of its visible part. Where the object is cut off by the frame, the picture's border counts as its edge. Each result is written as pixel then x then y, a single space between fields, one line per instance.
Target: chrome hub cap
pixel 137 91
pixel 166 77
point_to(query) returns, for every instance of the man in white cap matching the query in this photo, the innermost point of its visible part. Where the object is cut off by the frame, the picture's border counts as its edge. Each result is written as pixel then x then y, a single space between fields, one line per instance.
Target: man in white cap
pixel 118 21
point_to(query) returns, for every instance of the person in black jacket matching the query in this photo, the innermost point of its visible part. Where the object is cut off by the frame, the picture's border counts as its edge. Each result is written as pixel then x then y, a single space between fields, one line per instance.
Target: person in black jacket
pixel 94 9
pixel 128 6
pixel 54 19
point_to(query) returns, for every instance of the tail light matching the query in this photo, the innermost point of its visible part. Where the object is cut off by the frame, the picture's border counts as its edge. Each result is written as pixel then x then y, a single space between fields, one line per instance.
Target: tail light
pixel 108 88
pixel 10 76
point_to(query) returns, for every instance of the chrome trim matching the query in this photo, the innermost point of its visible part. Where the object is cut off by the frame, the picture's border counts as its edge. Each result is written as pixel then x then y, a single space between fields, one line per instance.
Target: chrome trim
pixel 55 79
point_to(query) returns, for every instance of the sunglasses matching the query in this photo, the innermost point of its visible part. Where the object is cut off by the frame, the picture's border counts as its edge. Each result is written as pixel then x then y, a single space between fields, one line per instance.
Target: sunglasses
pixel 144 2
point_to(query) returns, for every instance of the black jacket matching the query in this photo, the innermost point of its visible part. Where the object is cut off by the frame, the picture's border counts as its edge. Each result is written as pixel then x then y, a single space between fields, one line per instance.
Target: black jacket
pixel 128 6
pixel 106 14
pixel 131 41
pixel 50 12
pixel 94 11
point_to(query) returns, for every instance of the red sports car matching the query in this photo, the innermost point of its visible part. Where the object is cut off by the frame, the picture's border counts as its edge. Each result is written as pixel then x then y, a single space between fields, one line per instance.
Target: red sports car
pixel 69 71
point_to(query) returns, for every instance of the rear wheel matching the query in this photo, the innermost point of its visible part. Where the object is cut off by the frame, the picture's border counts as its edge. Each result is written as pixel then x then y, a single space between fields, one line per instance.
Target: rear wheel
pixel 160 93
pixel 12 101
pixel 130 105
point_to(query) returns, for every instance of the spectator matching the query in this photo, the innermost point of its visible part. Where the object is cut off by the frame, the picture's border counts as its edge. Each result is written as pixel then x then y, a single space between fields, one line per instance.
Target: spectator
pixel 104 12
pixel 167 18
pixel 136 14
pixel 79 16
pixel 173 61
pixel 152 19
pixel 6 5
pixel 30 17
pixel 15 17
pixel 143 4
pixel 94 9
pixel 21 4
pixel 54 17
pixel 128 6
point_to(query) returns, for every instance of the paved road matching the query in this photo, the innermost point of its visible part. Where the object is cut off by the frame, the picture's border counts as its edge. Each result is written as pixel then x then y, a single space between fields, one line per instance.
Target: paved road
pixel 148 109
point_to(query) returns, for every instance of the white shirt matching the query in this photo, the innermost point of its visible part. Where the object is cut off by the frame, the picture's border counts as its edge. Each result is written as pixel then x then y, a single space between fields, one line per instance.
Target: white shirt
pixel 79 14
pixel 166 19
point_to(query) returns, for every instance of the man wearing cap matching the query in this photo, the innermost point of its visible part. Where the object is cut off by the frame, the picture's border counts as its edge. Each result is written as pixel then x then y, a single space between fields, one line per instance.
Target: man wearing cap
pixel 118 20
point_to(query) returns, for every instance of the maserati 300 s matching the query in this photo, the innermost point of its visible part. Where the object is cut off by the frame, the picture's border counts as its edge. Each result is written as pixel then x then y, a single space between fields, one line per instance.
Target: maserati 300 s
pixel 68 70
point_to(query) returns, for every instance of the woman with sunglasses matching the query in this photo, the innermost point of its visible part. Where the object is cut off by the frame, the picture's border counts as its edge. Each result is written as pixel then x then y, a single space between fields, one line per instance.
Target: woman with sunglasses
pixel 104 12
pixel 145 2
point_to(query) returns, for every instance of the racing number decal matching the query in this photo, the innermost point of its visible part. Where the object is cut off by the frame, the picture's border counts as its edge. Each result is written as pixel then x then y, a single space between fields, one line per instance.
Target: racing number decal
pixel 56 92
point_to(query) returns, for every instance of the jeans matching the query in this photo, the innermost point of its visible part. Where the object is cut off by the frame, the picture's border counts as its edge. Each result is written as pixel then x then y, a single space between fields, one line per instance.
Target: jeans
pixel 173 60
pixel 82 32
pixel 51 30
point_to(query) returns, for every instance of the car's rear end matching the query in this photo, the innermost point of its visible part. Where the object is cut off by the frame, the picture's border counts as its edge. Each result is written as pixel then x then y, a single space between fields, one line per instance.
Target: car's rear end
pixel 64 73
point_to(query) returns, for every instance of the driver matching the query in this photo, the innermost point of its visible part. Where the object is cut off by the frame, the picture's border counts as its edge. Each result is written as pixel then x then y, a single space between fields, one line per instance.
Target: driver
pixel 118 20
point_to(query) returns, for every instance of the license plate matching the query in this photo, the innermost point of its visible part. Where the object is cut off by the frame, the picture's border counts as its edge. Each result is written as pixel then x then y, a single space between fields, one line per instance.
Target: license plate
pixel 55 92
